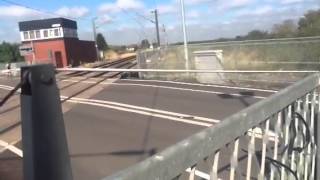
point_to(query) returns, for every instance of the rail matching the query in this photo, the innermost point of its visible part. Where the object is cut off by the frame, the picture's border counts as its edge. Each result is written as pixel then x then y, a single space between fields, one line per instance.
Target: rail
pixel 274 139
pixel 178 70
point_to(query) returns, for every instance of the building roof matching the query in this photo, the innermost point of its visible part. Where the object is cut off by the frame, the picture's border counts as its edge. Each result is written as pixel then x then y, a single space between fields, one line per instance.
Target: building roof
pixel 47 23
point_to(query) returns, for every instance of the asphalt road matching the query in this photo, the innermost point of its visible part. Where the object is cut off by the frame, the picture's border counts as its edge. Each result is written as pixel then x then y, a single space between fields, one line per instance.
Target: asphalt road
pixel 112 124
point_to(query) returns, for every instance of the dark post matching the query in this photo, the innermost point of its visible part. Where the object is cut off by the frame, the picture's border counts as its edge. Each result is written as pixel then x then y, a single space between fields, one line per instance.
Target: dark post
pixel 157 26
pixel 45 148
pixel 317 134
pixel 94 29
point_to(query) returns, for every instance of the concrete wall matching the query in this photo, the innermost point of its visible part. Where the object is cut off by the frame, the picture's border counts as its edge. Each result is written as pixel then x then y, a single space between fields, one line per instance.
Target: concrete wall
pixel 212 60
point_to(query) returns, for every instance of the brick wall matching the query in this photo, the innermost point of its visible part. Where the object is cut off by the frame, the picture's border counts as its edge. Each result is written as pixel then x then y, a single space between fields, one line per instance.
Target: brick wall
pixel 45 51
pixel 73 52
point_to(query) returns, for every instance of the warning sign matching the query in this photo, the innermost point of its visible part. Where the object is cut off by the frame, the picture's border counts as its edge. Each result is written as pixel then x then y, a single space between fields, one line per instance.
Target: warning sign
pixel 25 50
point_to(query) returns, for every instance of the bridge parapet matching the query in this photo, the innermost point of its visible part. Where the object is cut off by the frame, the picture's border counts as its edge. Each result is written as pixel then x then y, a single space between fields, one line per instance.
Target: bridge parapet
pixel 275 138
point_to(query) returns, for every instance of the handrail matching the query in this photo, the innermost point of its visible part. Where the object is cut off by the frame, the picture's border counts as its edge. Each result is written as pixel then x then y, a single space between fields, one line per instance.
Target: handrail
pixel 180 70
pixel 177 158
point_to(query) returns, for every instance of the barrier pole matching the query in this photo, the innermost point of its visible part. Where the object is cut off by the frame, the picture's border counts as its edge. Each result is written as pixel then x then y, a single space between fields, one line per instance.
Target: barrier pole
pixel 45 148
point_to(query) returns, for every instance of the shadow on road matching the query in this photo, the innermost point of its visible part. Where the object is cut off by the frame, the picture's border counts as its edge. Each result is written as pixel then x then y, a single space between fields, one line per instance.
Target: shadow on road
pixel 242 98
pixel 150 152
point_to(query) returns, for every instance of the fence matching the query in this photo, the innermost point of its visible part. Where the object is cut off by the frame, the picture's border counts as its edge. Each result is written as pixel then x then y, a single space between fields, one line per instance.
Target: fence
pixel 274 139
pixel 285 53
pixel 272 54
pixel 3 66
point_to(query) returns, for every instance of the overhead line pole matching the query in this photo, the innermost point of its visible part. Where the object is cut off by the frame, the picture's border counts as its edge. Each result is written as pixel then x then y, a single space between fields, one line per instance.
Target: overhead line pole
pixel 157 26
pixel 185 40
pixel 95 37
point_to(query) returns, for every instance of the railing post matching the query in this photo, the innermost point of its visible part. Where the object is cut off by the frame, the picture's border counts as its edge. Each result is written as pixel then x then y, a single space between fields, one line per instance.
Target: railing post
pixel 318 136
pixel 45 149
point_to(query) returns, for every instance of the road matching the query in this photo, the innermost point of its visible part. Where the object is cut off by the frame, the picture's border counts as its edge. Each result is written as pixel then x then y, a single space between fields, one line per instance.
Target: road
pixel 113 123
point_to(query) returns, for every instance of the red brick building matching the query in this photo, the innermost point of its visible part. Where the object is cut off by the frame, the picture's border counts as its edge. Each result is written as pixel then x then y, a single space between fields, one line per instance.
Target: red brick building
pixel 55 41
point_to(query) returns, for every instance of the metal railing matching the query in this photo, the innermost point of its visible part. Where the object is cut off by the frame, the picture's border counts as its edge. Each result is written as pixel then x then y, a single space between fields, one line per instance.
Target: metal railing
pixel 182 70
pixel 274 139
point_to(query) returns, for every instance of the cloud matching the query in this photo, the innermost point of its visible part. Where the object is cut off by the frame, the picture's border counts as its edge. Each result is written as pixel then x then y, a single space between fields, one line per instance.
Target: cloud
pixel 119 5
pixel 74 12
pixel 256 12
pixel 16 11
pixel 291 1
pixel 193 14
pixel 130 4
pixel 108 7
pixel 167 9
pixel 196 2
pixel 105 19
pixel 231 4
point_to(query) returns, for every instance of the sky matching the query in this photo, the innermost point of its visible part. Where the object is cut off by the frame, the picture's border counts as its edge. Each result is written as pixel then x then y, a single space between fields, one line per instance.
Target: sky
pixel 125 22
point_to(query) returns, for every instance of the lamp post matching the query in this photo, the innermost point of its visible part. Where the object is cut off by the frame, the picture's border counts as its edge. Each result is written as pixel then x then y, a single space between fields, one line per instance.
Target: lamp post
pixel 185 41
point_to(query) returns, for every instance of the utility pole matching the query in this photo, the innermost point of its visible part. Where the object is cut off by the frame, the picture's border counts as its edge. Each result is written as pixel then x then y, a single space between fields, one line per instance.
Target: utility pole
pixel 95 36
pixel 165 35
pixel 157 26
pixel 186 56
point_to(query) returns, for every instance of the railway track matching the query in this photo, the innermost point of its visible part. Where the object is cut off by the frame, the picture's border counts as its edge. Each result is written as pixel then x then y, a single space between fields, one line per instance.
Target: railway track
pixel 121 63
pixel 12 129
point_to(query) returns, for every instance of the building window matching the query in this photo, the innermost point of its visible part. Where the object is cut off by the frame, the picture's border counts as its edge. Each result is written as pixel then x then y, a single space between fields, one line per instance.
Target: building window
pixel 25 35
pixel 51 33
pixel 38 36
pixel 32 35
pixel 56 32
pixel 45 33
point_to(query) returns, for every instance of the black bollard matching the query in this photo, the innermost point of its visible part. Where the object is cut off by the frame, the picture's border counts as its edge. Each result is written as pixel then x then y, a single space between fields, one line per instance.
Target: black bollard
pixel 45 148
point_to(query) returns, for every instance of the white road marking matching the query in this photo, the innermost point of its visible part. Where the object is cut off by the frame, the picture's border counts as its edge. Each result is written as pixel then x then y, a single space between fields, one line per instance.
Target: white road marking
pixel 168 87
pixel 138 109
pixel 11 147
pixel 203 85
pixel 141 112
pixel 179 115
pixel 6 87
pixel 9 88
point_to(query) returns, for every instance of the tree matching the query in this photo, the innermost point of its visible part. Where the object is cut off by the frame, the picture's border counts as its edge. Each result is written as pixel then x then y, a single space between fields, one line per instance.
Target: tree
pixel 145 43
pixel 257 34
pixel 101 42
pixel 154 44
pixel 284 30
pixel 9 52
pixel 309 25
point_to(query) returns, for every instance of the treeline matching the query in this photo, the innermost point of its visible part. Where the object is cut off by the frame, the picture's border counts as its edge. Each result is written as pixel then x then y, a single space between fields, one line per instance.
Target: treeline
pixel 9 52
pixel 308 25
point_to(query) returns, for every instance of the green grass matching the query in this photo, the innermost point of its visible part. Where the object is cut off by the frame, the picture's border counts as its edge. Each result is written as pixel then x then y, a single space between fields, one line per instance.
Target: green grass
pixel 243 56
